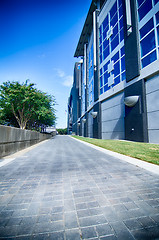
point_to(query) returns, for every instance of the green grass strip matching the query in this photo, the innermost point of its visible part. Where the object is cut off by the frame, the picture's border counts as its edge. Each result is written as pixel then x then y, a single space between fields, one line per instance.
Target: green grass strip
pixel 143 151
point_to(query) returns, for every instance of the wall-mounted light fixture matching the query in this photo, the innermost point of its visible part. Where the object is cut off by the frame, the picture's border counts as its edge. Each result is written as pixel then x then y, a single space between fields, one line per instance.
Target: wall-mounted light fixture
pixel 131 101
pixel 94 114
pixel 79 124
pixel 84 120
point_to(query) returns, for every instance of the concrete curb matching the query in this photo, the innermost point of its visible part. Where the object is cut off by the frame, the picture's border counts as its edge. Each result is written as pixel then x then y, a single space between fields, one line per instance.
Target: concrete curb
pixel 142 164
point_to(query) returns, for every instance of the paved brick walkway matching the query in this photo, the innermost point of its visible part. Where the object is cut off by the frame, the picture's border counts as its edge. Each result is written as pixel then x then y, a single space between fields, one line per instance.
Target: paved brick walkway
pixel 63 189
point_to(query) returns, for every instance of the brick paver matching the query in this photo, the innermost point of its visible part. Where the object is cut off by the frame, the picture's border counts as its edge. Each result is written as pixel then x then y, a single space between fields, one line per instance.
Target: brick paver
pixel 64 189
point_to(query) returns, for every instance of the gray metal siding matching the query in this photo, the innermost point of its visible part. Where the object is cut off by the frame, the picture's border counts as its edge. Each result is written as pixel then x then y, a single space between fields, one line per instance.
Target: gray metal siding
pixel 113 112
pixel 90 125
pixel 152 96
pixel 82 125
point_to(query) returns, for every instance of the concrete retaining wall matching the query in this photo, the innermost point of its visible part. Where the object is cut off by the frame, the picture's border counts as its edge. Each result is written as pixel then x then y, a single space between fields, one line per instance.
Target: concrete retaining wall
pixel 15 139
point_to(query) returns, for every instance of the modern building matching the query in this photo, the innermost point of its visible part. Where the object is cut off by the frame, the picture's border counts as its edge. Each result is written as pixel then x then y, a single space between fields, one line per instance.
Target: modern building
pixel 115 94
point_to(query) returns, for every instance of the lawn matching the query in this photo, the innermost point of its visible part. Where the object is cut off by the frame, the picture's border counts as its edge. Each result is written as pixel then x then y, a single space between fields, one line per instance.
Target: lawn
pixel 143 151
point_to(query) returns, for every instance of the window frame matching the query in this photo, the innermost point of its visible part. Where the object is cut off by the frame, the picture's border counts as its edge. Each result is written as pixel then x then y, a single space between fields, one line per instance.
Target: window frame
pixel 113 52
pixel 141 23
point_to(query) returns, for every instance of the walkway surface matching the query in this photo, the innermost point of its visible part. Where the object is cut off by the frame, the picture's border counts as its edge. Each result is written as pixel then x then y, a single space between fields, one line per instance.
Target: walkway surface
pixel 63 189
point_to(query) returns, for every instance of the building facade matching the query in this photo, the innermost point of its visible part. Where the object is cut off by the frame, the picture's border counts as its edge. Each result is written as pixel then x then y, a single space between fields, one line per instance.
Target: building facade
pixel 115 94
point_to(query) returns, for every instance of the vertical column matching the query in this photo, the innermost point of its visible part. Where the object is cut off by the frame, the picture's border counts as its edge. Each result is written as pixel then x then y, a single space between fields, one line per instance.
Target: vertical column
pixel 85 82
pixel 128 17
pixel 85 74
pixel 136 112
pixel 95 53
pixel 97 133
pixel 97 106
pixel 131 39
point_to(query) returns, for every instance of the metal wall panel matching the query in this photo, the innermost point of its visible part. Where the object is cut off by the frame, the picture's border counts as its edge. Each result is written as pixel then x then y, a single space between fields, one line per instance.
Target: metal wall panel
pixel 152 100
pixel 113 117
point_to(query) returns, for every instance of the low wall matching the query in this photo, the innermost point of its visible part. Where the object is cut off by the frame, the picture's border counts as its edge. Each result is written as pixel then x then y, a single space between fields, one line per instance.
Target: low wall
pixel 15 139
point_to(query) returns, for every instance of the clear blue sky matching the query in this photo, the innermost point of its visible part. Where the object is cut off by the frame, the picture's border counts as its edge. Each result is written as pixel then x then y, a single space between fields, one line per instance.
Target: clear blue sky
pixel 38 39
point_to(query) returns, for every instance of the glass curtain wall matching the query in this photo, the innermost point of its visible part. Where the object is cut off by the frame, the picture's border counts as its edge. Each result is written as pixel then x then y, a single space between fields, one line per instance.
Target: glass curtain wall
pixel 111 48
pixel 83 88
pixel 148 17
pixel 90 76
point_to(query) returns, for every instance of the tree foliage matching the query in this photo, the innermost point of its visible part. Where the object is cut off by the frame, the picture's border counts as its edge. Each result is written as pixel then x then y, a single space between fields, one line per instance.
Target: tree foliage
pixel 25 106
pixel 62 131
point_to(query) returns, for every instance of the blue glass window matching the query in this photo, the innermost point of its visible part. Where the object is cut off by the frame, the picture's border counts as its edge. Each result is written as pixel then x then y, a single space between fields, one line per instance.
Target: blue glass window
pixel 140 2
pixel 115 57
pixel 116 69
pixel 90 72
pixel 101 81
pixel 105 22
pixel 156 1
pixel 101 58
pixel 100 39
pixel 148 43
pixel 106 76
pixel 104 34
pixel 157 17
pixel 146 28
pixel 122 64
pixel 106 88
pixel 106 52
pixel 121 34
pixel 158 34
pixel 100 30
pixel 144 9
pixel 116 80
pixel 101 90
pixel 114 20
pixel 120 11
pixel 120 2
pixel 121 23
pixel 149 59
pixel 123 76
pixel 122 50
pixel 115 42
pixel 106 66
pixel 115 31
pixel 101 49
pixel 105 43
pixel 113 10
pixel 91 76
pixel 101 71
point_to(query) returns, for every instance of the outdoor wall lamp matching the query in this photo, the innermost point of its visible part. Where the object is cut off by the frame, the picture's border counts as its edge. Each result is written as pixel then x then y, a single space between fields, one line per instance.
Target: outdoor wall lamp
pixel 94 114
pixel 84 120
pixel 131 101
pixel 79 124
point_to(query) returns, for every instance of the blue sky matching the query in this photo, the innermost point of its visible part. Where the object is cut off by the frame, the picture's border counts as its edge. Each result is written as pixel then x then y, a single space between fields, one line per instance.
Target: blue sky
pixel 38 39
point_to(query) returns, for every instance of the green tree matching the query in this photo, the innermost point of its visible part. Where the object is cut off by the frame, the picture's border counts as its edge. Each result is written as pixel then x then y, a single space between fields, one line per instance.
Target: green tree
pixel 25 106
pixel 62 131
